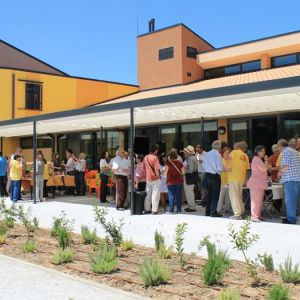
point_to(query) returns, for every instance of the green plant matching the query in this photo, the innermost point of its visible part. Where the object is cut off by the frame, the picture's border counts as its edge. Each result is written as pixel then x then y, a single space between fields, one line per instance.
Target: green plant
pixel 31 225
pixel 153 273
pixel 30 246
pixel 165 252
pixel 113 229
pixel 88 236
pixel 179 239
pixel 62 256
pixel 61 221
pixel 64 238
pixel 242 241
pixel 278 292
pixel 229 294
pixel 158 240
pixel 267 261
pixel 288 272
pixel 127 245
pixel 105 260
pixel 3 237
pixel 217 263
pixel 8 214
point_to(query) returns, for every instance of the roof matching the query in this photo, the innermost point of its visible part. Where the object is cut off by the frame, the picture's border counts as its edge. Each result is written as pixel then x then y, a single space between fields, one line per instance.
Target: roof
pixel 176 25
pixel 13 57
pixel 234 80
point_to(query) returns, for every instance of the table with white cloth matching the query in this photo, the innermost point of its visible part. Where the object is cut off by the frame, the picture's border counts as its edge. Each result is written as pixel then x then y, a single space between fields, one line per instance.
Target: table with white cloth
pixel 276 192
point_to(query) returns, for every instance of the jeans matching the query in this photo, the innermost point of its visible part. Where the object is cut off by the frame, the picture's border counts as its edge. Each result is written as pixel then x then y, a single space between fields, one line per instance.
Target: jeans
pixel 175 191
pixel 15 190
pixel 213 183
pixel 103 189
pixel 291 192
pixel 2 186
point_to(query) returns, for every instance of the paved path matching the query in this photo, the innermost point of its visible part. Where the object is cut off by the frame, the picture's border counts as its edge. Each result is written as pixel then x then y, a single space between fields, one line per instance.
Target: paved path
pixel 275 238
pixel 22 280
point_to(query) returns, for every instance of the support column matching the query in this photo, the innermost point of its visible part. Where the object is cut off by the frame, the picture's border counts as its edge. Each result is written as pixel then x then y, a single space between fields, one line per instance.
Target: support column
pixel 34 162
pixel 202 132
pixel 132 137
pixel 101 140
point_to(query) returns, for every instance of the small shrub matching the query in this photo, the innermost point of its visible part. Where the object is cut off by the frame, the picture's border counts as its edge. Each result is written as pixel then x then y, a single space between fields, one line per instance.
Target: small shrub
pixel 158 240
pixel 153 273
pixel 31 225
pixel 105 260
pixel 3 237
pixel 29 247
pixel 88 236
pixel 127 245
pixel 165 252
pixel 62 256
pixel 9 214
pixel 64 238
pixel 10 222
pixel 59 222
pixel 288 272
pixel 3 229
pixel 179 239
pixel 229 294
pixel 278 292
pixel 267 261
pixel 217 264
pixel 113 229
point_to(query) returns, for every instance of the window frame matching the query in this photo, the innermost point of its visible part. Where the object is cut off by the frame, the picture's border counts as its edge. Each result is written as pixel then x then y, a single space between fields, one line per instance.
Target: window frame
pixel 161 55
pixel 189 54
pixel 297 54
pixel 28 101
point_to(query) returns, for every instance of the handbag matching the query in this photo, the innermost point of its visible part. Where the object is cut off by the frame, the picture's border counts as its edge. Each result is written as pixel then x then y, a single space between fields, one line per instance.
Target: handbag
pixel 191 178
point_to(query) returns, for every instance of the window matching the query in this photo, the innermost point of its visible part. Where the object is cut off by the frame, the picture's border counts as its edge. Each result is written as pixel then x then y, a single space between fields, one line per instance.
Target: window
pixel 239 131
pixel 285 60
pixel 42 142
pixel 233 69
pixel 191 52
pixel 166 53
pixel 33 94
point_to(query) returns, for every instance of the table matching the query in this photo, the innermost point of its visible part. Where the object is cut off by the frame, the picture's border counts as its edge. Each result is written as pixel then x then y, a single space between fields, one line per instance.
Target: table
pixel 276 192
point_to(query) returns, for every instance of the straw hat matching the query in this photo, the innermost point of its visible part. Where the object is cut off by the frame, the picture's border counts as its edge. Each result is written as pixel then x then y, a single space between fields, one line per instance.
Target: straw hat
pixel 189 149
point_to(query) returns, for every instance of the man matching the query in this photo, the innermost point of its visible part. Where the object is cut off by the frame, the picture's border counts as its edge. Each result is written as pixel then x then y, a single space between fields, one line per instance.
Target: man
pixel 16 177
pixel 151 168
pixel 293 144
pixel 3 166
pixel 39 177
pixel 213 167
pixel 298 145
pixel 200 157
pixel 273 161
pixel 289 174
pixel 237 173
pixel 190 167
pixel 121 170
pixel 70 169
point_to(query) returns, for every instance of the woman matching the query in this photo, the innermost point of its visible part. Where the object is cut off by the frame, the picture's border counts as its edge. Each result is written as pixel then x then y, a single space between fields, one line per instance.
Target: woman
pixel 46 177
pixel 174 171
pixel 55 164
pixel 224 201
pixel 163 181
pixel 16 166
pixel 104 168
pixel 258 182
pixel 80 165
pixel 139 174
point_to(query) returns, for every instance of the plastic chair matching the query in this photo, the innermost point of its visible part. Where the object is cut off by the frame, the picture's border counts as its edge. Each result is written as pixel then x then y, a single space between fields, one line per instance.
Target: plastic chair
pixel 94 184
pixel 89 176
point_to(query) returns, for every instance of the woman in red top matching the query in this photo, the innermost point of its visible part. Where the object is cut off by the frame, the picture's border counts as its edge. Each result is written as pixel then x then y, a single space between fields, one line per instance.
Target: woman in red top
pixel 174 170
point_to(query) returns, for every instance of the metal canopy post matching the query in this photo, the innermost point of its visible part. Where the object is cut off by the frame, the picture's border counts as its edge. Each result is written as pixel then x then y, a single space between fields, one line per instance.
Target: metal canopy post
pixel 34 162
pixel 132 137
pixel 101 138
pixel 202 132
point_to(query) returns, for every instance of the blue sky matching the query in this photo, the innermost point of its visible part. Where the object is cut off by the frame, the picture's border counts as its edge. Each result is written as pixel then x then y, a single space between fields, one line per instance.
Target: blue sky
pixel 97 38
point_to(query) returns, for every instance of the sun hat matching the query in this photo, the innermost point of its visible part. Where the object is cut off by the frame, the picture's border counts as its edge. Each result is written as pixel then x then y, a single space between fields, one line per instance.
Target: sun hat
pixel 189 149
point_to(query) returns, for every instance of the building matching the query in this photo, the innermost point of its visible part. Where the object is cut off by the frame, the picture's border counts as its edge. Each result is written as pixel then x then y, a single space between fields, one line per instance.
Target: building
pixel 31 87
pixel 190 93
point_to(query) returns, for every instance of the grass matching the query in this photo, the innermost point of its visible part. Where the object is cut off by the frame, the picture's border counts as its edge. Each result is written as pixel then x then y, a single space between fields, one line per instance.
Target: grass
pixel 88 236
pixel 64 238
pixel 278 292
pixel 127 245
pixel 165 252
pixel 105 260
pixel 62 256
pixel 158 240
pixel 29 247
pixel 288 272
pixel 229 294
pixel 3 237
pixel 153 273
pixel 267 261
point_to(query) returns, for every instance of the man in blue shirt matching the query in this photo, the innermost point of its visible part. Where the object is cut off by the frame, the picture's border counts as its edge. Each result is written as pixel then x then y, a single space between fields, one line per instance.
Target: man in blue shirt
pixel 289 174
pixel 213 167
pixel 3 165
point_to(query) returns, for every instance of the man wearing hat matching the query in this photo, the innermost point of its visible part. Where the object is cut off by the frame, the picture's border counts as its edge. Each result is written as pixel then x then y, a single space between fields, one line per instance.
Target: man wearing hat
pixel 191 177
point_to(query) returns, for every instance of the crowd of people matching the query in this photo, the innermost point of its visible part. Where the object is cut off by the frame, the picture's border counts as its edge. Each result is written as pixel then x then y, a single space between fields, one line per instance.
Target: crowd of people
pixel 216 179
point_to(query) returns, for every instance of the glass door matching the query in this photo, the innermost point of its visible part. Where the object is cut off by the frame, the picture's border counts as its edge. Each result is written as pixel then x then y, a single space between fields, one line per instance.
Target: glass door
pixel 239 131
pixel 168 138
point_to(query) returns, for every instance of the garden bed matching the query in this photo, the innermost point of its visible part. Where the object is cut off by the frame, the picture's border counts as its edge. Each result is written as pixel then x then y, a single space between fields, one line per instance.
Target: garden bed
pixel 183 284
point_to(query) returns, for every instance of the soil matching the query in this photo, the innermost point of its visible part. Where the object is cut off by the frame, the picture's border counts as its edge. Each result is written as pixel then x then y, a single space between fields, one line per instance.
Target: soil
pixel 183 284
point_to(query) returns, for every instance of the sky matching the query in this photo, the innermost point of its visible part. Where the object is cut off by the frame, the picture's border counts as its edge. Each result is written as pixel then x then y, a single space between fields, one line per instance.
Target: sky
pixel 97 38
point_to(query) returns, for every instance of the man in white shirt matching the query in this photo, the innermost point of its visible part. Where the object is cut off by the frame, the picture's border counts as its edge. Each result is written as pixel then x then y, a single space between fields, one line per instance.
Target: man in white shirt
pixel 70 169
pixel 121 170
pixel 80 163
pixel 200 153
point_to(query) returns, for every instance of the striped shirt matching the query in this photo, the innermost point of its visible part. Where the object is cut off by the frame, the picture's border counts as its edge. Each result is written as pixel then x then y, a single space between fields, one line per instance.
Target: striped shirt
pixel 291 159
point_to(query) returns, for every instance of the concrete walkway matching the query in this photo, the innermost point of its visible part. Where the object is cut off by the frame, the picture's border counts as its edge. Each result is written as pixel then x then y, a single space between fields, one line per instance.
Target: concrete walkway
pixel 22 280
pixel 277 239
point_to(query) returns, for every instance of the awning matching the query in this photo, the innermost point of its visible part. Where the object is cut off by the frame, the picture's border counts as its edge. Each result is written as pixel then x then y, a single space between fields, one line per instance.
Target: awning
pixel 262 98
